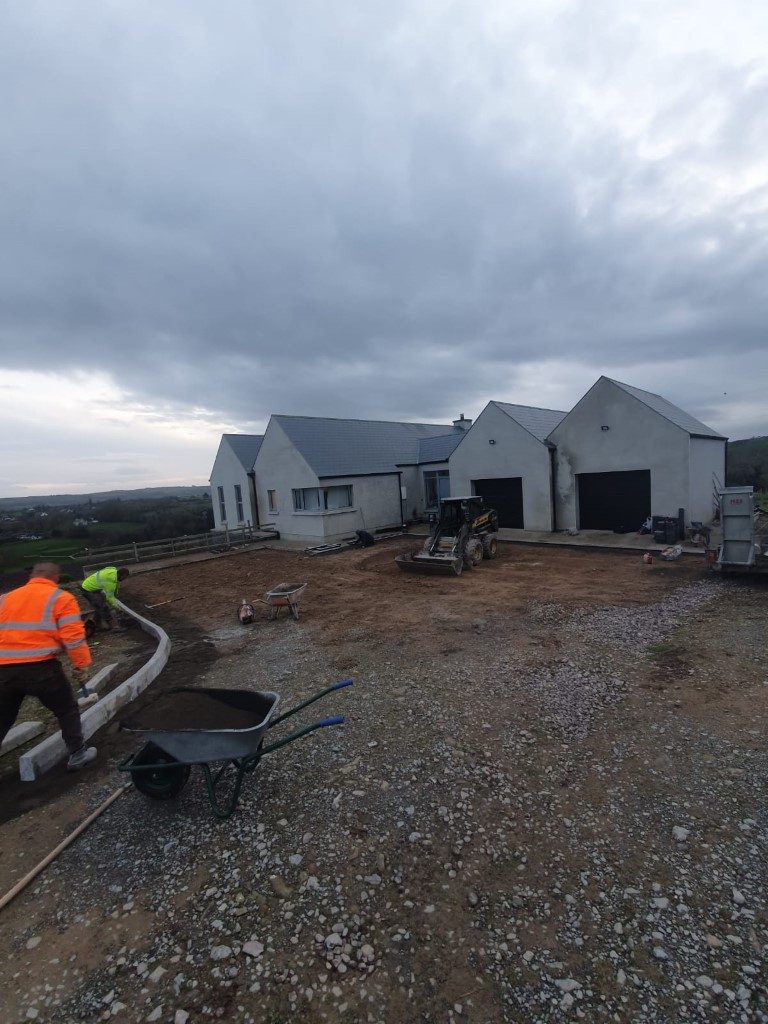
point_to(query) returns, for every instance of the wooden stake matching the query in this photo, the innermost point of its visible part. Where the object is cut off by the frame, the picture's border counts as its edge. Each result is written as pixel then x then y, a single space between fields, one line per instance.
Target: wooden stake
pixel 24 882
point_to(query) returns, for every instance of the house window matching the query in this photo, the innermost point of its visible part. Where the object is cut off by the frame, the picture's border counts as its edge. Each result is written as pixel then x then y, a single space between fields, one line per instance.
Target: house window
pixel 222 505
pixel 338 497
pixel 306 499
pixel 322 499
pixel 239 503
pixel 272 500
pixel 437 485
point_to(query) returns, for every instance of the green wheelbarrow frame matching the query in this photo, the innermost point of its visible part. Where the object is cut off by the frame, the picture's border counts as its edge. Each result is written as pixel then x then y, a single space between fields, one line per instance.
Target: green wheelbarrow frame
pixel 161 775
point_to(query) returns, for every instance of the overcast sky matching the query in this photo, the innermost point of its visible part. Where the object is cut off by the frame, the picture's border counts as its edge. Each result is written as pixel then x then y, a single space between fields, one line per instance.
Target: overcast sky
pixel 214 211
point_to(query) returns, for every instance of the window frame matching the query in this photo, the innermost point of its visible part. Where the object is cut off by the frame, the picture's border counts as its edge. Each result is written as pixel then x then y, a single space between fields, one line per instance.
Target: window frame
pixel 299 501
pixel 222 504
pixel 433 476
pixel 239 504
pixel 272 504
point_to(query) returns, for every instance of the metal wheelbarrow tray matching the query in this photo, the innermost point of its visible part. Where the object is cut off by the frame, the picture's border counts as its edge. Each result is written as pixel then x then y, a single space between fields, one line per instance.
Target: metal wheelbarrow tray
pixel 161 768
pixel 285 595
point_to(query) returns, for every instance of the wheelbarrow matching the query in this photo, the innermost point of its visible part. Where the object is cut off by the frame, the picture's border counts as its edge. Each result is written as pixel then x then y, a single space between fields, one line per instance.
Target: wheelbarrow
pixel 285 595
pixel 161 768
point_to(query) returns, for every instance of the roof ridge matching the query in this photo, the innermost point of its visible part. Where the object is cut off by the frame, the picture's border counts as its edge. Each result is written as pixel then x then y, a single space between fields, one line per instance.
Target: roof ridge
pixel 357 419
pixel 645 391
pixel 519 405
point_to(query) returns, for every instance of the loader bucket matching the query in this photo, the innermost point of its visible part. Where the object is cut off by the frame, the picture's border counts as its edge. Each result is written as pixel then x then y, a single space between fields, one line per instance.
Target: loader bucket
pixel 430 565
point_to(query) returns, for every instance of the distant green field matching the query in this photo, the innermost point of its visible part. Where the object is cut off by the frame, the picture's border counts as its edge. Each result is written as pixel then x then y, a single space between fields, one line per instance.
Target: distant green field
pixel 20 553
pixel 97 530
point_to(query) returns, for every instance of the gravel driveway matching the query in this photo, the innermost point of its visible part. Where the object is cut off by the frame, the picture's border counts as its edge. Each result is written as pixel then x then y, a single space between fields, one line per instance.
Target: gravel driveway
pixel 548 802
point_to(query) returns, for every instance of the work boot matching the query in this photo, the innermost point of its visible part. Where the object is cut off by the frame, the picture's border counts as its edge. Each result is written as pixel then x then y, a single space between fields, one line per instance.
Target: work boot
pixel 81 758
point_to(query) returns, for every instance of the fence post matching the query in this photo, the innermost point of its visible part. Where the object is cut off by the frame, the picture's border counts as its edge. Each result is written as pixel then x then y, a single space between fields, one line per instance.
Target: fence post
pixel 173 548
pixel 135 551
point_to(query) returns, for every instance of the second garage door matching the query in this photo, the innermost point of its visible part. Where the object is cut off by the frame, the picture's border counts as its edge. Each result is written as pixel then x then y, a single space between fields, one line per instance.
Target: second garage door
pixel 505 494
pixel 614 501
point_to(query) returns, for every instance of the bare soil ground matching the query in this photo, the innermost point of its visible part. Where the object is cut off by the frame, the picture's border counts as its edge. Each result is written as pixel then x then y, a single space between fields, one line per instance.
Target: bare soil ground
pixel 548 801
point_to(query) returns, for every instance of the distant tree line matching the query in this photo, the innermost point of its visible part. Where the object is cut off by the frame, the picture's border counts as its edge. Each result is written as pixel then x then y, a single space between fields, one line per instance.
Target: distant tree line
pixel 748 463
pixel 113 522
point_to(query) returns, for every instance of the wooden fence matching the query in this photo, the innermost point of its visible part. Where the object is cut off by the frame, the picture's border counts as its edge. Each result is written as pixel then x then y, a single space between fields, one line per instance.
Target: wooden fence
pixel 154 550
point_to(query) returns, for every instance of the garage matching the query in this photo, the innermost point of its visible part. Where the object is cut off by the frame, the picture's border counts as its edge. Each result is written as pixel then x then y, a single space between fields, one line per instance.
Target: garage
pixel 614 501
pixel 505 494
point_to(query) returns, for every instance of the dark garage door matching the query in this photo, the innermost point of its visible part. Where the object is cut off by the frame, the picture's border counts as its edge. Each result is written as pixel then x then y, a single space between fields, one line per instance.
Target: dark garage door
pixel 614 501
pixel 506 496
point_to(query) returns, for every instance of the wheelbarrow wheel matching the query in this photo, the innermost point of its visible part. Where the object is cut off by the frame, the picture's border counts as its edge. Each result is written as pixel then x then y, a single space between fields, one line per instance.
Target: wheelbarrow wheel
pixel 163 782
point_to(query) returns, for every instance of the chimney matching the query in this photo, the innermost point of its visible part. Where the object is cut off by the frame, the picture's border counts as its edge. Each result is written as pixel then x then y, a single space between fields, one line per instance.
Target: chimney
pixel 461 423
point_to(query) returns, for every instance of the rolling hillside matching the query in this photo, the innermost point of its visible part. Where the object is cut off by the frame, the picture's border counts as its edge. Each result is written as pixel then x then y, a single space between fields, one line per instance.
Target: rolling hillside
pixel 141 493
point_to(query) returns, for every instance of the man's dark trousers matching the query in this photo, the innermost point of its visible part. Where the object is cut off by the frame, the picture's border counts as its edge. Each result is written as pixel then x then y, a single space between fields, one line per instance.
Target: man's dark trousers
pixel 100 605
pixel 46 681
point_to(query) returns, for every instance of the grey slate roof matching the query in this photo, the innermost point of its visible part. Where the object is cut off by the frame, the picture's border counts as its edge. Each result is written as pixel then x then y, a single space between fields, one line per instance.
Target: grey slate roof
pixel 246 447
pixel 337 447
pixel 669 411
pixel 539 422
pixel 438 449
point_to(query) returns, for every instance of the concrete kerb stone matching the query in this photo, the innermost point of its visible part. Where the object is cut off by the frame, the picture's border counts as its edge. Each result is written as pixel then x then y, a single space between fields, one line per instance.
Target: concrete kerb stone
pixel 100 680
pixel 20 734
pixel 53 750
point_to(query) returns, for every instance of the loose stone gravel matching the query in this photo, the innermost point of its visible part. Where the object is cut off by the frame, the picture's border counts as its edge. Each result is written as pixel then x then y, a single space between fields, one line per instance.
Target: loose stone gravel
pixel 497 836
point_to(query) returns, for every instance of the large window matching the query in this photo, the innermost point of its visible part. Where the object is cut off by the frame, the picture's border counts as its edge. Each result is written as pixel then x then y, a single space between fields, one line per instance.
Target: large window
pixel 222 505
pixel 322 499
pixel 338 497
pixel 272 500
pixel 239 503
pixel 437 485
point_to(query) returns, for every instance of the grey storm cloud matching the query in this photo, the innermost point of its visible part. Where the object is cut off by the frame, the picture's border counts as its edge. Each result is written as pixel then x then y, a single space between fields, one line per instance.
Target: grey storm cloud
pixel 374 209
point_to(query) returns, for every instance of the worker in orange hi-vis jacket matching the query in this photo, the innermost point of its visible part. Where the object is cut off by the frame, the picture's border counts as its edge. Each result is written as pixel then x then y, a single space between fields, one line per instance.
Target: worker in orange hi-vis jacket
pixel 38 622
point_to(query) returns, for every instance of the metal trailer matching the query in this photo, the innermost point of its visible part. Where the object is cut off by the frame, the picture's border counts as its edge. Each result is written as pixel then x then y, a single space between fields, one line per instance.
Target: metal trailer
pixel 743 543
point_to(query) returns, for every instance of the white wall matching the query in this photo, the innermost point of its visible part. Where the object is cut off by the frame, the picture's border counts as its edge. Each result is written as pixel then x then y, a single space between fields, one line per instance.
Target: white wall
pixel 515 453
pixel 228 471
pixel 280 467
pixel 375 505
pixel 707 457
pixel 637 438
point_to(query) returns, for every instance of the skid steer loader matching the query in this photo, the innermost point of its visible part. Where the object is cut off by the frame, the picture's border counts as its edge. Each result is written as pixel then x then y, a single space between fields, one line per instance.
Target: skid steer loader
pixel 463 534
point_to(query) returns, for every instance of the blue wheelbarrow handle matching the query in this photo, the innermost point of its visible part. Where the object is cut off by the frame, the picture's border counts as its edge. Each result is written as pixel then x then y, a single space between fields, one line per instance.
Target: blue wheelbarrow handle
pixel 336 720
pixel 310 700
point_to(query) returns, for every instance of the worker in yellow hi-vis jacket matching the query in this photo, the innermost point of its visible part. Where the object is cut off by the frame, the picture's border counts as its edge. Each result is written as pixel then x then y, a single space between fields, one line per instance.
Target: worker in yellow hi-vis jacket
pixel 100 590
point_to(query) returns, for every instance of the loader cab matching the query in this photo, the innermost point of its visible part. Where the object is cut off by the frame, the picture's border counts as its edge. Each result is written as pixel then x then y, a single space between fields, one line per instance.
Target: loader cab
pixel 455 511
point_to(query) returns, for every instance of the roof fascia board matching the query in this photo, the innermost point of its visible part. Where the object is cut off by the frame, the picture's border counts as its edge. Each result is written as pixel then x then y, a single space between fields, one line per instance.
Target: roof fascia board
pixel 350 476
